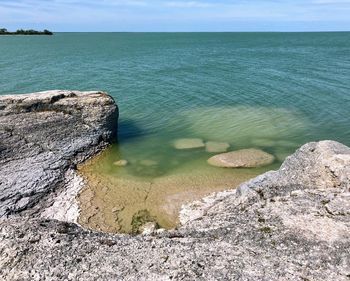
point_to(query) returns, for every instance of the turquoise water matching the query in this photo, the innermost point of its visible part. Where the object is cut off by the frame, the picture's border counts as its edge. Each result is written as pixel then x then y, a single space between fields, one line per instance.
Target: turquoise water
pixel 273 91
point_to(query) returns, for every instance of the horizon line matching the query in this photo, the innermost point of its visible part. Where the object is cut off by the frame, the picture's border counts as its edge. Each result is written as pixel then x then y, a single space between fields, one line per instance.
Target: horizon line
pixel 257 31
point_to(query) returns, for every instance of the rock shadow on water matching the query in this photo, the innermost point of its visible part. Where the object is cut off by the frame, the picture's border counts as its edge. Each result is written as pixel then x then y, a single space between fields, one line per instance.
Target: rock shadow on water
pixel 128 129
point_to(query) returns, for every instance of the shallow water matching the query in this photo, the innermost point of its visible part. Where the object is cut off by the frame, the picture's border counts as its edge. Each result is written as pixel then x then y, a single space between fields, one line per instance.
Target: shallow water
pixel 274 91
pixel 115 194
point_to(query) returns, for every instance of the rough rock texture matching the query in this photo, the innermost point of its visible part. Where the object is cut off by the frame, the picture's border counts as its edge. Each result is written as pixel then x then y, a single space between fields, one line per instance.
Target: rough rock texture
pixel 292 224
pixel 42 136
pixel 247 158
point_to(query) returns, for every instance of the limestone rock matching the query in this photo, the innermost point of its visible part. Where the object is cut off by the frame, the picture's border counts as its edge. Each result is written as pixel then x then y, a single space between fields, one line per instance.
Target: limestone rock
pixel 216 147
pixel 188 143
pixel 247 158
pixel 42 136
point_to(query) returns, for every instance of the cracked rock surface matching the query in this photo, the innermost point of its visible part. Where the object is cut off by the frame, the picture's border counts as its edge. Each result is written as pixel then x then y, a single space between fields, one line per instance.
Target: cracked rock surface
pixel 42 136
pixel 290 224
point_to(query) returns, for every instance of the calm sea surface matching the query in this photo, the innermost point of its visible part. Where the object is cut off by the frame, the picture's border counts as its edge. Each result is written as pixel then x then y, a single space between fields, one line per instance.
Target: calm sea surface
pixel 273 91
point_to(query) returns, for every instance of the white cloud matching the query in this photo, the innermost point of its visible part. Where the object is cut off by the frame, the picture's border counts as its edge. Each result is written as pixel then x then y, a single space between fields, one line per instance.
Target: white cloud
pixel 153 14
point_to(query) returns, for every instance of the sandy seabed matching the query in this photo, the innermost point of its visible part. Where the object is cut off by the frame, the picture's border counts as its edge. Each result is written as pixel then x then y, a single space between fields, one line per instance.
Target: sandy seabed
pixel 109 202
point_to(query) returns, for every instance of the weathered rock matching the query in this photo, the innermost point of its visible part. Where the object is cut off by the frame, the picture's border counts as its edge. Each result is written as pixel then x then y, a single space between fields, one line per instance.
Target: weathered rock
pixel 247 158
pixel 216 147
pixel 292 224
pixel 188 143
pixel 42 135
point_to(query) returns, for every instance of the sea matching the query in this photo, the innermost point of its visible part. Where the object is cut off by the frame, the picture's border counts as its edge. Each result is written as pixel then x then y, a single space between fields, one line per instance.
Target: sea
pixel 270 91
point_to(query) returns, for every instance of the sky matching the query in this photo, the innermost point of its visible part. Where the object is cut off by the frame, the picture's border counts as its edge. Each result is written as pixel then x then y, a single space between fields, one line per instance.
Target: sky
pixel 176 15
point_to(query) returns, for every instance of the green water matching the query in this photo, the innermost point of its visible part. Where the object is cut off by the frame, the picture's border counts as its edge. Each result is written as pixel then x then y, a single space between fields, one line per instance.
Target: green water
pixel 274 91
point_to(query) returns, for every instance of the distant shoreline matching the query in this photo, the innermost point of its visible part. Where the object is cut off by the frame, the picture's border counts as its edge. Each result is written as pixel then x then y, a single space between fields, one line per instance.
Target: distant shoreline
pixel 4 31
pixel 212 32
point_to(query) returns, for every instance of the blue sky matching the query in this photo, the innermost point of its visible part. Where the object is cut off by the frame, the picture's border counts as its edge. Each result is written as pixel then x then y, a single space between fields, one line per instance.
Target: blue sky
pixel 176 15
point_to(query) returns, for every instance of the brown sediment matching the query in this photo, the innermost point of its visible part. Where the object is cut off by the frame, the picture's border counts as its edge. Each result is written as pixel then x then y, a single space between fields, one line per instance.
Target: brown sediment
pixel 108 202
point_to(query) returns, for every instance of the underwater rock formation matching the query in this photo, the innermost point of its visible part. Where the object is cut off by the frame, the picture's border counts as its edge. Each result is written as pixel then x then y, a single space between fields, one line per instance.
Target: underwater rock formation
pixel 244 158
pixel 188 143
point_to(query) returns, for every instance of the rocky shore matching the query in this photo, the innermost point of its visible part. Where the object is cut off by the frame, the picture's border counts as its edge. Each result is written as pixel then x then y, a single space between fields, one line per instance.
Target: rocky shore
pixel 43 136
pixel 290 224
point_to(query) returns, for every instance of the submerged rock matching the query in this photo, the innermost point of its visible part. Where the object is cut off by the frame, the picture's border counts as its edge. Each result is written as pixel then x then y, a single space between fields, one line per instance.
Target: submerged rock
pixel 244 158
pixel 121 163
pixel 148 228
pixel 216 147
pixel 188 143
pixel 143 222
